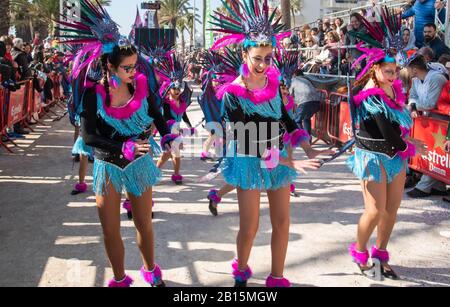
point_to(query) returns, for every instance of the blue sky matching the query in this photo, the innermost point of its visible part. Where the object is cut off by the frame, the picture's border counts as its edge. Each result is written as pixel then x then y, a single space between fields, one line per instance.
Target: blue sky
pixel 124 11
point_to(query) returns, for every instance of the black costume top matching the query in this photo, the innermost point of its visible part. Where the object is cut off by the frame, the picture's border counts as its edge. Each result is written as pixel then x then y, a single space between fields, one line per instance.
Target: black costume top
pixel 382 124
pixel 258 118
pixel 108 128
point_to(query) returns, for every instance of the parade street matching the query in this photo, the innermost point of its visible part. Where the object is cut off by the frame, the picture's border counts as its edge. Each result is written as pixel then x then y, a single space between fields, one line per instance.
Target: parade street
pixel 50 238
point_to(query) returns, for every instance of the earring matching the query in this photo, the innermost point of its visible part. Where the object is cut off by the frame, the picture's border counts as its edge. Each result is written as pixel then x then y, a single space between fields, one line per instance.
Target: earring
pixel 244 71
pixel 115 81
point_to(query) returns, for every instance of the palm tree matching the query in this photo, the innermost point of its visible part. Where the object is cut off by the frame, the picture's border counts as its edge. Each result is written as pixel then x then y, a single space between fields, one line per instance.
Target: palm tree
pixel 221 9
pixel 4 17
pixel 204 23
pixel 26 16
pixel 186 23
pixel 296 6
pixel 35 13
pixel 183 24
pixel 286 13
pixel 171 11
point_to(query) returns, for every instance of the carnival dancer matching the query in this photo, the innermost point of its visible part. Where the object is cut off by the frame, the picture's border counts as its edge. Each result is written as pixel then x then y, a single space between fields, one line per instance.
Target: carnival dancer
pixel 258 161
pixel 115 120
pixel 75 107
pixel 213 64
pixel 157 51
pixel 287 64
pixel 383 143
pixel 227 71
pixel 219 68
pixel 176 96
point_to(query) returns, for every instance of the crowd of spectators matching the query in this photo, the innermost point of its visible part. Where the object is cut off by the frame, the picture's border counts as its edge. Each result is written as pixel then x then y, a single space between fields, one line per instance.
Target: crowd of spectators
pixel 327 45
pixel 37 60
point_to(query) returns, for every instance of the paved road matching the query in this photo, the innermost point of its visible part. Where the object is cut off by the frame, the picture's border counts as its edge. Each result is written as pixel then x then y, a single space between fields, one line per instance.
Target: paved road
pixel 49 238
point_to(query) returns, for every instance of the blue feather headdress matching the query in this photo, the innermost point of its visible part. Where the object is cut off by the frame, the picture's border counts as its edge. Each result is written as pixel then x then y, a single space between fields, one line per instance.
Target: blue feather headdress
pixel 249 23
pixel 174 71
pixel 96 31
pixel 287 64
pixel 385 40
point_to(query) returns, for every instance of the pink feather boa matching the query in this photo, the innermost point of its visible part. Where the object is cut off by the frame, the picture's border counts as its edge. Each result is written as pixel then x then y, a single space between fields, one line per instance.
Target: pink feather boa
pixel 291 104
pixel 126 111
pixel 358 257
pixel 382 255
pixel 376 91
pixel 126 283
pixel 409 152
pixel 180 109
pixel 241 276
pixel 296 137
pixel 258 96
pixel 405 132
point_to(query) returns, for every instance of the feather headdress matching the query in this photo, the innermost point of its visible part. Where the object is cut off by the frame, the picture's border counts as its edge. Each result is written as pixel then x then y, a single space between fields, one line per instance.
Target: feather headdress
pixel 384 39
pixel 98 33
pixel 287 64
pixel 174 71
pixel 249 23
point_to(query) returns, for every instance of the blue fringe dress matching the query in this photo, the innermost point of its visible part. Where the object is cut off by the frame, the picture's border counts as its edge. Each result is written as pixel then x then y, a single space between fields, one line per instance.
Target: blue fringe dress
pixel 135 176
pixel 365 164
pixel 248 172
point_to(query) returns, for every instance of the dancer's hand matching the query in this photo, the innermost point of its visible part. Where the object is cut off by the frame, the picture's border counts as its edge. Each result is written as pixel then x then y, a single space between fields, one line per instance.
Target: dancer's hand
pixel 312 153
pixel 447 146
pixel 141 147
pixel 301 165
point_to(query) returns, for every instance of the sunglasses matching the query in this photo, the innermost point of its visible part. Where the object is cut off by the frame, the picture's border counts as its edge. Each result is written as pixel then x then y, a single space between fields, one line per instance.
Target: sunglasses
pixel 129 68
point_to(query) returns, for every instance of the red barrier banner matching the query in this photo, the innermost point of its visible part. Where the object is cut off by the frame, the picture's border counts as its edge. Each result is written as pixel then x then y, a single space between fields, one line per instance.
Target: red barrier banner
pixel 37 97
pixel 56 88
pixel 15 106
pixel 345 123
pixel 37 101
pixel 30 98
pixel 437 162
pixel 339 124
pixel 319 120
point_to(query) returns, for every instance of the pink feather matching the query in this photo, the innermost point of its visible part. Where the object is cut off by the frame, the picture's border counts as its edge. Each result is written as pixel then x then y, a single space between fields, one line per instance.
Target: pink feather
pixel 133 105
pixel 409 152
pixel 259 96
pixel 282 36
pixel 375 91
pixel 228 40
pixel 78 65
